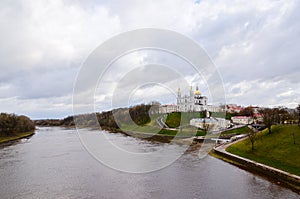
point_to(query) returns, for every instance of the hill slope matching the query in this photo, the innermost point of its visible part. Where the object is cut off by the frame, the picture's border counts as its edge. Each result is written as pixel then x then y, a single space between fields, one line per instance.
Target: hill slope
pixel 276 149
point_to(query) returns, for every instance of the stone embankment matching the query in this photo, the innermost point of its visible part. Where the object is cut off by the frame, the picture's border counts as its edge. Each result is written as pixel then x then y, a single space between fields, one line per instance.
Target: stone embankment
pixel 291 180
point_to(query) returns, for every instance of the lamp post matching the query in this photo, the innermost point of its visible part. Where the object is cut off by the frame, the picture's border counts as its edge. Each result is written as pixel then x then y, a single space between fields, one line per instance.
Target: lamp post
pixel 294 137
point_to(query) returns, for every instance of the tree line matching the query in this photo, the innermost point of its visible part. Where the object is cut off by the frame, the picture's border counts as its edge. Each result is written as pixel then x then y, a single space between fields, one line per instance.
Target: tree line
pixel 279 115
pixel 11 124
pixel 108 120
pixel 275 116
pixel 68 121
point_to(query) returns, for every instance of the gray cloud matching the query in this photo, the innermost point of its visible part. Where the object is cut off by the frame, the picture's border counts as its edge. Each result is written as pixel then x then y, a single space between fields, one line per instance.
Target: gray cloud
pixel 255 45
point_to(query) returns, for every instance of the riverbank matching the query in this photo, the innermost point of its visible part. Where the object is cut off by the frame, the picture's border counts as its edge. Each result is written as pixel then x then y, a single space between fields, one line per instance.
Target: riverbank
pixel 16 137
pixel 280 177
pixel 277 149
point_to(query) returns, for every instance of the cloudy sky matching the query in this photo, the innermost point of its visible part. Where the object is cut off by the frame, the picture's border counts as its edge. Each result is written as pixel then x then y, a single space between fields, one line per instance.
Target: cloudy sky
pixel 254 44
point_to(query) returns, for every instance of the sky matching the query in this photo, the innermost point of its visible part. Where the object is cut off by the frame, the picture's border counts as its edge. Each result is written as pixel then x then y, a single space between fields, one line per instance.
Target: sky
pixel 254 45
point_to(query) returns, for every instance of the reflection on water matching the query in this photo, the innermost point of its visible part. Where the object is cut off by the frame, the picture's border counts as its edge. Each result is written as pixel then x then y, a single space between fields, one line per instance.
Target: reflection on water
pixel 54 164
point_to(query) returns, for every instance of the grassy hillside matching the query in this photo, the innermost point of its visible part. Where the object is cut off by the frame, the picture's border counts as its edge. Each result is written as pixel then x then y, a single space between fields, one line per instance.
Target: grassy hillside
pixel 241 130
pixel 276 149
pixel 153 128
pixel 173 120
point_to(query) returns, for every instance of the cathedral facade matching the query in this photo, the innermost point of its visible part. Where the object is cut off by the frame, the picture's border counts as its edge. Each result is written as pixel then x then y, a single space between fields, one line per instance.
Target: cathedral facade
pixel 194 102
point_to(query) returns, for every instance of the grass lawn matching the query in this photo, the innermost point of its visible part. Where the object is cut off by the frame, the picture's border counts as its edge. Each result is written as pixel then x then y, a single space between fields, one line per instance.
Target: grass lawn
pixel 242 130
pixel 15 137
pixel 176 119
pixel 218 114
pixel 173 121
pixel 276 149
pixel 154 128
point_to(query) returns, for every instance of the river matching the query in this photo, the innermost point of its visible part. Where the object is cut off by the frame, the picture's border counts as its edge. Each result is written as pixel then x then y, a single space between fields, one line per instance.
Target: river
pixel 54 164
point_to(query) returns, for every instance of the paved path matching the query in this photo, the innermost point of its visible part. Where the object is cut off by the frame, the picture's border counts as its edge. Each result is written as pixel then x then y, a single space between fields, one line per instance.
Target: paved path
pixel 161 123
pixel 224 146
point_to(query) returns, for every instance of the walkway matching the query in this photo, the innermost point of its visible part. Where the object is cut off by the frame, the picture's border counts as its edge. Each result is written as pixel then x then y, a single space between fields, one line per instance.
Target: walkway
pixel 161 123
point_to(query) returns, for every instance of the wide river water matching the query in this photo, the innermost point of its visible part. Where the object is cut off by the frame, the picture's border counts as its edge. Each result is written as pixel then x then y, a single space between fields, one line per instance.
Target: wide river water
pixel 54 164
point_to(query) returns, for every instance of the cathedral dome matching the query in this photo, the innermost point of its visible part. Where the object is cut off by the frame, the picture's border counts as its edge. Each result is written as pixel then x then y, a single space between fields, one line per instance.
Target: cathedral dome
pixel 197 92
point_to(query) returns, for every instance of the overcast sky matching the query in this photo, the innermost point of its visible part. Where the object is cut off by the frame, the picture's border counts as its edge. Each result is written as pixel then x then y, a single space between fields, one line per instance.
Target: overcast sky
pixel 254 44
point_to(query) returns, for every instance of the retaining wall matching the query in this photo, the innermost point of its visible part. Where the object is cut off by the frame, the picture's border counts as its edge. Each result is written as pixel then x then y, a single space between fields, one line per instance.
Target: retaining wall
pixel 279 175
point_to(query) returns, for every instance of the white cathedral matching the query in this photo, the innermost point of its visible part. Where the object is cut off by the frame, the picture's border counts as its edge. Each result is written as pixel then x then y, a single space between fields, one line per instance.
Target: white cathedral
pixel 194 102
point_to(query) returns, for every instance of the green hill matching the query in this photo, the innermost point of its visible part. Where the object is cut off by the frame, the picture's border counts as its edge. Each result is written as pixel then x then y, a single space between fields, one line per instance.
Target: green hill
pixel 276 149
pixel 174 119
pixel 237 131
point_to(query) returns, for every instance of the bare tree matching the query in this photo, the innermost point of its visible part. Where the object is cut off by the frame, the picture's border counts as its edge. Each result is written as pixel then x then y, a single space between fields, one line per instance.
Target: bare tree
pixel 252 138
pixel 281 115
pixel 268 117
pixel 298 110
pixel 248 111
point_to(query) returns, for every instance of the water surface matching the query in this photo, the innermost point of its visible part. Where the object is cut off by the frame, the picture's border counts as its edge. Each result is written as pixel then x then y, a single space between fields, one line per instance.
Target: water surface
pixel 54 164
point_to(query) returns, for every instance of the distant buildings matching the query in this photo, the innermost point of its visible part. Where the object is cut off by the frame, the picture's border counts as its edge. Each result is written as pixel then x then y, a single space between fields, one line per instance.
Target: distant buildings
pixel 196 102
pixel 233 108
pixel 258 118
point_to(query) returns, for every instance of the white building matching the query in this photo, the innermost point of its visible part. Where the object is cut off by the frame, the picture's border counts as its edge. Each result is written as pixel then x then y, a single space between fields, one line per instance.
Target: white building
pixel 258 118
pixel 194 102
pixel 214 123
pixel 168 108
pixel 242 120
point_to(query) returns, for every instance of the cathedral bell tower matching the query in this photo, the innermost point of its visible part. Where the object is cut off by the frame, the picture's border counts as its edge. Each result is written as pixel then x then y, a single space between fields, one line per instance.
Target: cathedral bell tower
pixel 191 91
pixel 178 97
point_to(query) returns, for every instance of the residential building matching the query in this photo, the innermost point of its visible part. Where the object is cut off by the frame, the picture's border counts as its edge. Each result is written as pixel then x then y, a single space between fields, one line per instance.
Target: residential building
pixel 242 120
